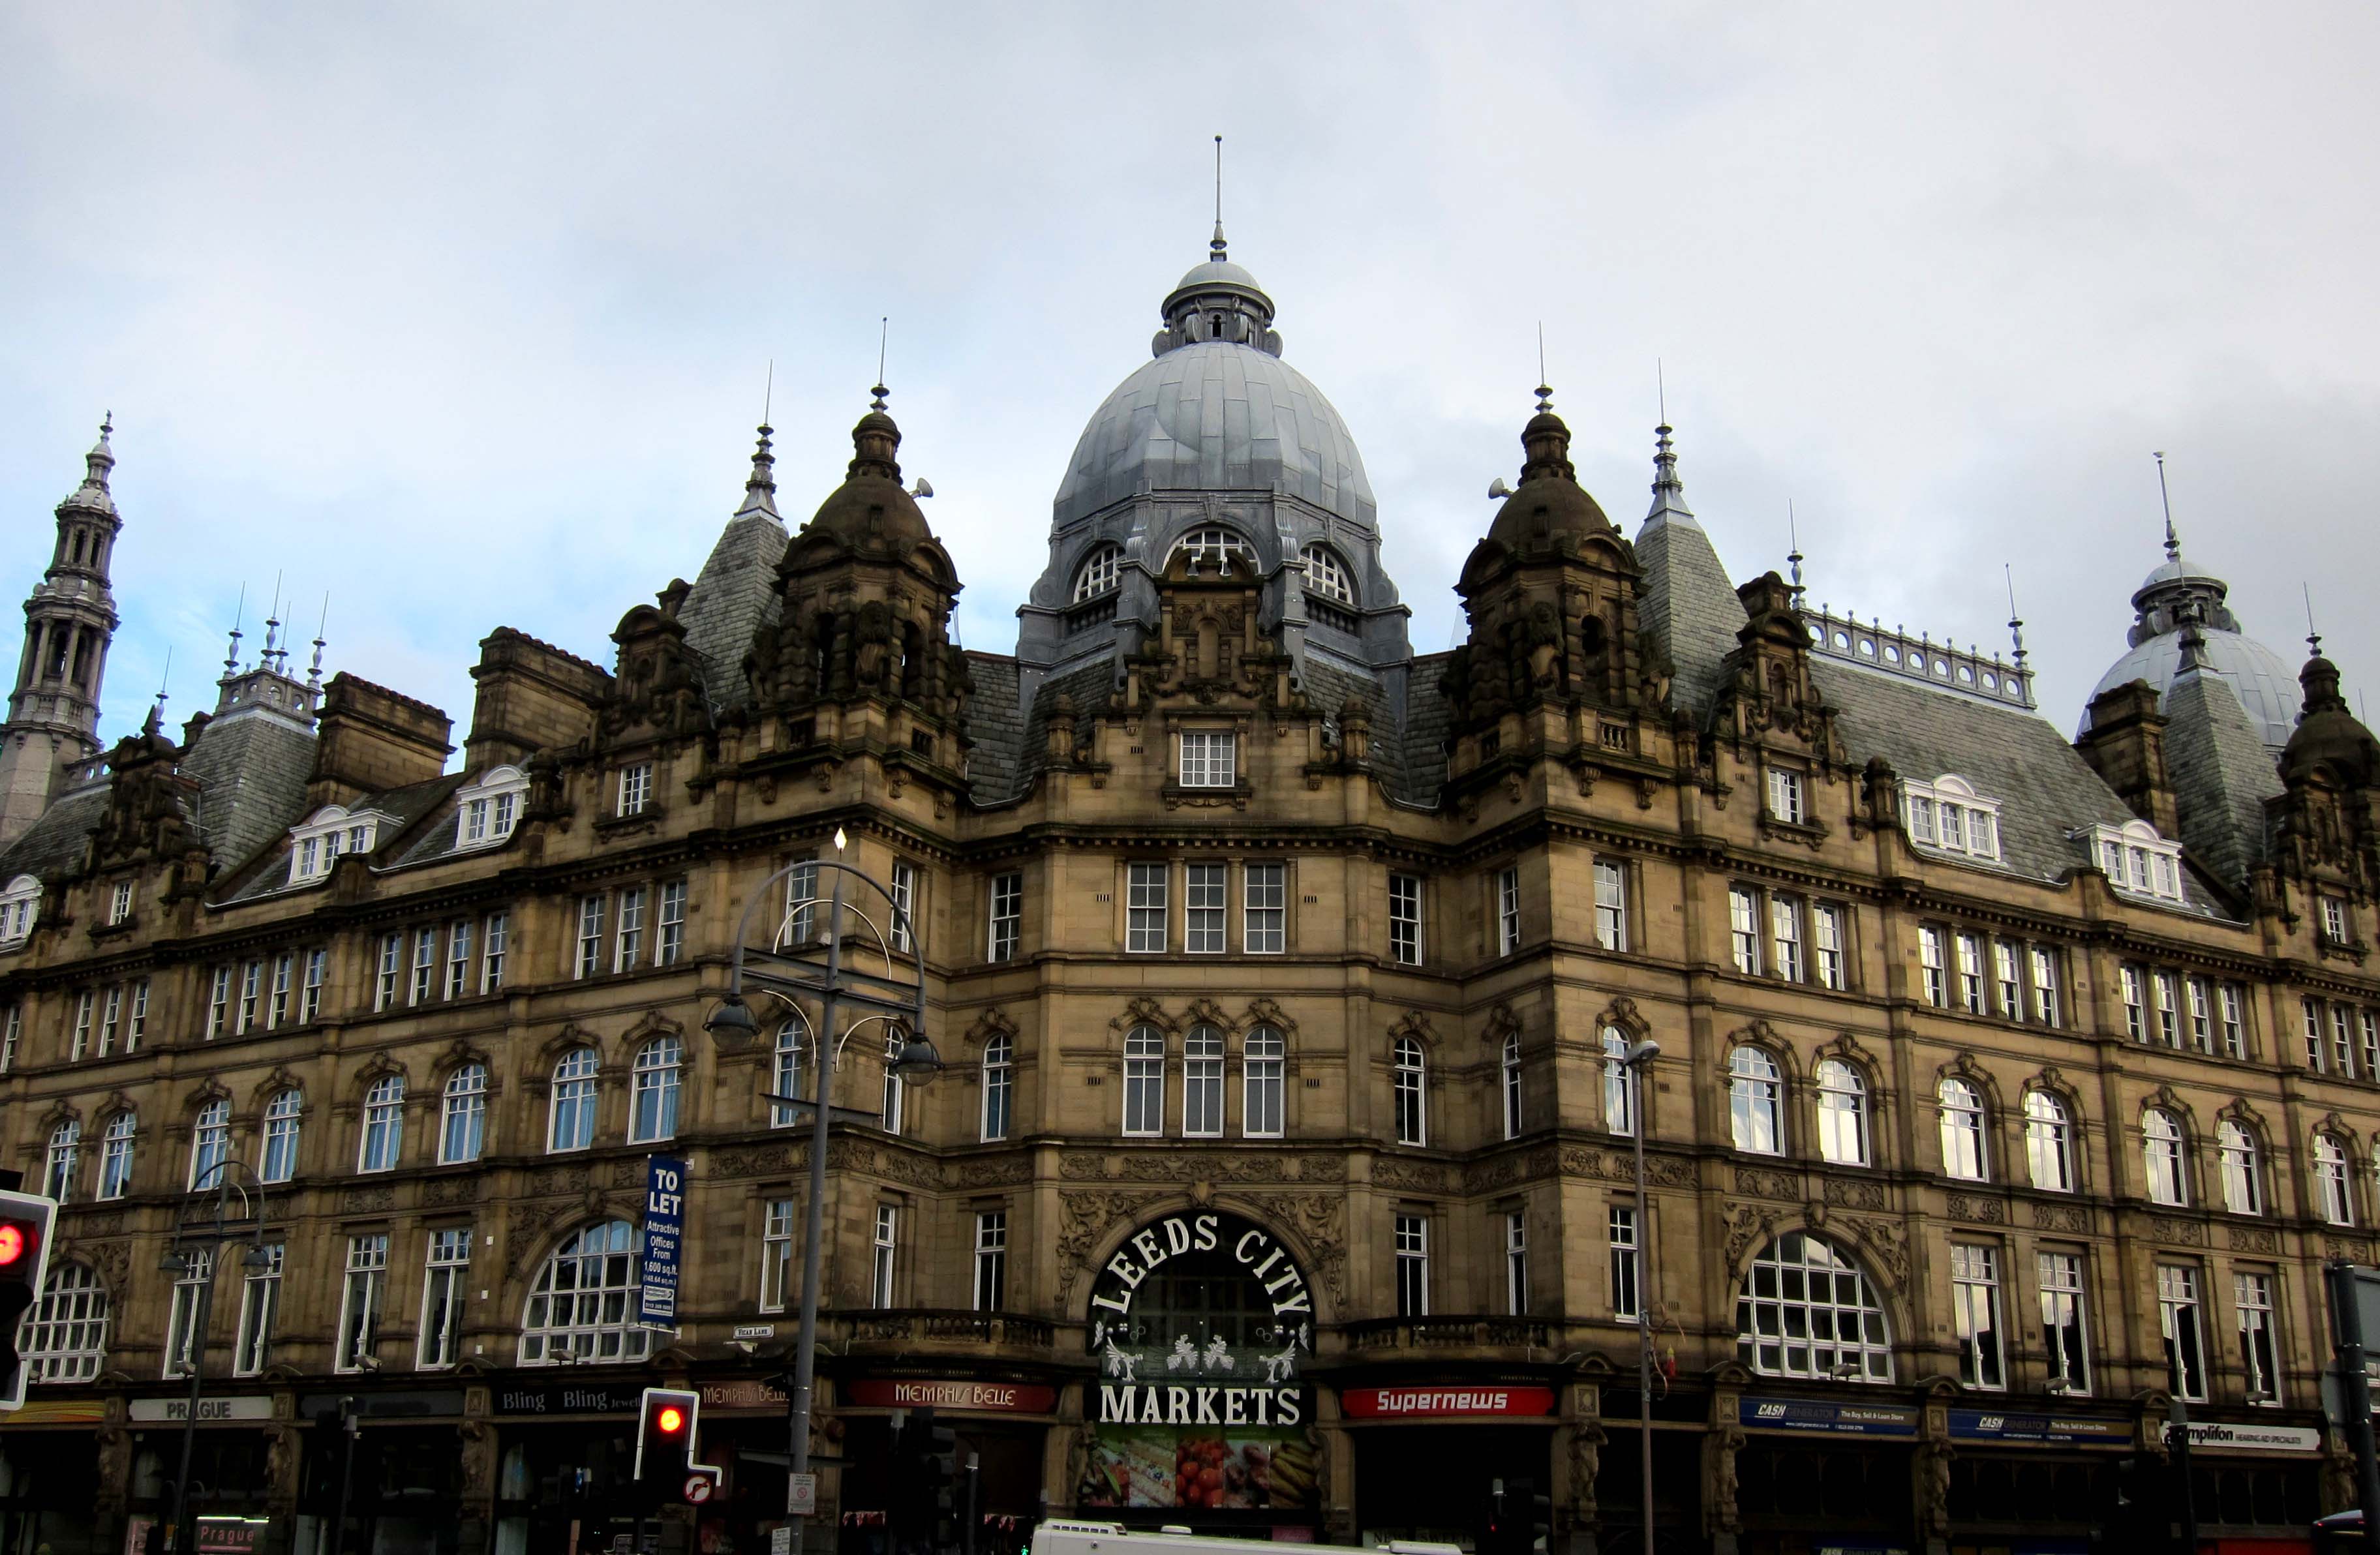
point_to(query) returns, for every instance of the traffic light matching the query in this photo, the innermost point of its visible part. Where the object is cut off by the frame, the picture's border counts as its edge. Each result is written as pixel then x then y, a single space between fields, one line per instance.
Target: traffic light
pixel 25 1223
pixel 665 1439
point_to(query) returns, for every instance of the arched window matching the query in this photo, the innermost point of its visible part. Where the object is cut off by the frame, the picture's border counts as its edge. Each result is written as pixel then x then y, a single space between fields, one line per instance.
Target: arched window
pixel 2330 1179
pixel 1412 1093
pixel 2244 1174
pixel 210 1144
pixel 115 1155
pixel 1806 1311
pixel 1212 548
pixel 20 905
pixel 584 1305
pixel 1100 572
pixel 1964 1154
pixel 999 1083
pixel 1618 1084
pixel 652 1113
pixel 65 1337
pixel 66 1153
pixel 2049 1142
pixel 1510 1088
pixel 463 1114
pixel 1202 1084
pixel 787 1073
pixel 1756 1093
pixel 2161 1154
pixel 281 1120
pixel 1326 575
pixel 1261 1083
pixel 1842 1113
pixel 384 1125
pixel 570 1121
pixel 1143 1081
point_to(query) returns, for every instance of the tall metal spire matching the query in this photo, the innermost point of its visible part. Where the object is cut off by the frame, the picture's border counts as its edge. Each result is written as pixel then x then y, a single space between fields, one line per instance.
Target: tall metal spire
pixel 1669 492
pixel 883 339
pixel 314 671
pixel 1215 245
pixel 1793 557
pixel 2314 638
pixel 2172 543
pixel 2016 626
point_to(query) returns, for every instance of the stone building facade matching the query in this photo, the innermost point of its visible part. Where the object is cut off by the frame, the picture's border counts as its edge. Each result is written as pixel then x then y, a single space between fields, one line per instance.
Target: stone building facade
pixel 1280 1178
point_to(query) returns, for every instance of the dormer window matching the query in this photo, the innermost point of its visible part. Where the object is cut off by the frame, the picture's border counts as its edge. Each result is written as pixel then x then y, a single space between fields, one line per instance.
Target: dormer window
pixel 20 905
pixel 1101 571
pixel 1326 575
pixel 2334 919
pixel 1948 816
pixel 1786 801
pixel 2137 861
pixel 328 833
pixel 488 809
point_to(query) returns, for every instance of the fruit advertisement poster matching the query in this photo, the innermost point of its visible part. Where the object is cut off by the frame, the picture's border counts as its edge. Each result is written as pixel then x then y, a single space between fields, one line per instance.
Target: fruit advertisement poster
pixel 1253 1468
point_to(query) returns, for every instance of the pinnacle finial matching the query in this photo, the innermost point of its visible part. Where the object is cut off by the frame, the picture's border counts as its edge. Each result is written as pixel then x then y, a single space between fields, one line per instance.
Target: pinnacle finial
pixel 2314 638
pixel 2016 626
pixel 314 671
pixel 883 339
pixel 231 654
pixel 1793 557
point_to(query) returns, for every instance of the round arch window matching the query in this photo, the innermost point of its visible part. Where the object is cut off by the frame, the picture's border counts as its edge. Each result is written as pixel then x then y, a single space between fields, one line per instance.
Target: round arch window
pixel 1806 1309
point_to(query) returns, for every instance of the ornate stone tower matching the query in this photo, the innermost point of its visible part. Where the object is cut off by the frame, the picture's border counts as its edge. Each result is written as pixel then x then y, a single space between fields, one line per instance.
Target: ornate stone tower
pixel 54 710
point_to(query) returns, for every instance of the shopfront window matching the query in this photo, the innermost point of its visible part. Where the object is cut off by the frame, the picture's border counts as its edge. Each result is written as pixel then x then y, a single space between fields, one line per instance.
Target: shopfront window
pixel 1201 1324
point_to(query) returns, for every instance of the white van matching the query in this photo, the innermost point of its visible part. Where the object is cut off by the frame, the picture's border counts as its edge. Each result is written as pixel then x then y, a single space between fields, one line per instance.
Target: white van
pixel 1073 1537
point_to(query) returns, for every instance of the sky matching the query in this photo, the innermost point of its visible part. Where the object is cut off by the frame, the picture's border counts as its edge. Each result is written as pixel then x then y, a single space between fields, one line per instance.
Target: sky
pixel 463 315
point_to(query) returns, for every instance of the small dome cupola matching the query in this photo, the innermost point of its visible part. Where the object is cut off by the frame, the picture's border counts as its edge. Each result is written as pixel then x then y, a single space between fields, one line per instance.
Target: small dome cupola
pixel 2328 735
pixel 1549 500
pixel 1217 301
pixel 869 510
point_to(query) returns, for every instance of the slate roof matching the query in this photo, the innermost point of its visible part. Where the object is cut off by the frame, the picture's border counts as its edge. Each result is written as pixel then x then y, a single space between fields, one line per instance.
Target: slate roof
pixel 2222 772
pixel 734 597
pixel 1328 688
pixel 1428 719
pixel 995 725
pixel 1689 609
pixel 397 841
pixel 2045 788
pixel 251 768
pixel 54 842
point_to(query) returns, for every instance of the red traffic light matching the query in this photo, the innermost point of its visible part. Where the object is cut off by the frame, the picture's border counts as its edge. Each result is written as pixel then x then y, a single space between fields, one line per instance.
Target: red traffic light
pixel 670 1420
pixel 13 1243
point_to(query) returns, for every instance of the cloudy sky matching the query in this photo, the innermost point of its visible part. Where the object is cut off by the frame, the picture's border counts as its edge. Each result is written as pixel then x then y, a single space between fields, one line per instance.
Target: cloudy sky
pixel 461 314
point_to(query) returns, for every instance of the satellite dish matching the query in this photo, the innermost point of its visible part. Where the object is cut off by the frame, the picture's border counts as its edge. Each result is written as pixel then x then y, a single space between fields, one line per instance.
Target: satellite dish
pixel 921 489
pixel 1497 491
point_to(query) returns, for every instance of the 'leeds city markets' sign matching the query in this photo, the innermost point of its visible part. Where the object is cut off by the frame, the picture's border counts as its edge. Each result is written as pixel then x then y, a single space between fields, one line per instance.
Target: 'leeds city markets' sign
pixel 1165 1361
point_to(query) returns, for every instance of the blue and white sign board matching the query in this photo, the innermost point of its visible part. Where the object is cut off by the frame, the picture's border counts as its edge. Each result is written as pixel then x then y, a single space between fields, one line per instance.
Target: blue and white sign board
pixel 664 1226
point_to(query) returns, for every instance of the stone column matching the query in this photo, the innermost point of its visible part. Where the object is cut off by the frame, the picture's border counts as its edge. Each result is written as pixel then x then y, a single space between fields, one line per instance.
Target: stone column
pixel 476 1440
pixel 1578 1459
pixel 114 1477
pixel 1719 1516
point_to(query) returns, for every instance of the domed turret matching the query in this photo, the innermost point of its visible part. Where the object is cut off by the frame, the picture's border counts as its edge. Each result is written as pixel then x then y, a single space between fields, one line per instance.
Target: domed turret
pixel 2328 735
pixel 869 511
pixel 1549 500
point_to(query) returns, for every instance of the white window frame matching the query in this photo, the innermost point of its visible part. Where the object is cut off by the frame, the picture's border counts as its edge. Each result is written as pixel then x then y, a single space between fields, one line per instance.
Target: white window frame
pixel 1326 575
pixel 20 909
pixel 381 1147
pixel 259 1306
pixel 2182 1328
pixel 1100 572
pixel 2065 1316
pixel 634 788
pixel 487 810
pixel 1947 816
pixel 776 1253
pixel 1975 1316
pixel 1610 904
pixel 1144 1083
pixel 444 1293
pixel 1516 1263
pixel 182 1313
pixel 494 933
pixel 1744 929
pixel 1006 918
pixel 284 1122
pixel 463 1114
pixel 1264 909
pixel 996 1114
pixel 2334 1198
pixel 1410 1077
pixel 209 1143
pixel 1405 945
pixel 2137 862
pixel 459 935
pixel 886 1250
pixel 1205 907
pixel 1621 1093
pixel 1626 1266
pixel 588 960
pixel 117 1142
pixel 1787 959
pixel 898 931
pixel 990 1284
pixel 1209 758
pixel 1413 1265
pixel 575 1094
pixel 2256 1302
pixel 1263 1084
pixel 1842 1112
pixel 363 1297
pixel 669 945
pixel 1788 796
pixel 2161 1157
pixel 628 933
pixel 1934 964
pixel 1145 907
pixel 2242 1161
pixel 1202 1083
pixel 1966 1153
pixel 1508 910
pixel 1510 1090
pixel 64 1338
pixel 2049 1142
pixel 655 1086
pixel 1755 1089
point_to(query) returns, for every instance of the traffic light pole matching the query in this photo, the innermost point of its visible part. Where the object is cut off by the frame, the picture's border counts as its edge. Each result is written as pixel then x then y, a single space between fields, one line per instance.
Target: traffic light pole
pixel 2355 1391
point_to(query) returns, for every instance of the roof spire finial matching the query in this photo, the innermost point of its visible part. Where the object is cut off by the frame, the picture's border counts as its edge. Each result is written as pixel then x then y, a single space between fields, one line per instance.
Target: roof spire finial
pixel 2314 638
pixel 1215 246
pixel 157 713
pixel 1545 392
pixel 883 339
pixel 2172 543
pixel 231 654
pixel 2016 627
pixel 314 671
pixel 1793 537
pixel 1669 492
pixel 273 653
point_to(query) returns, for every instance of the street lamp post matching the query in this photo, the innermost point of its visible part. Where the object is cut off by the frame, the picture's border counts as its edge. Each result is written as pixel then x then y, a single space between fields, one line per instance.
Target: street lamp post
pixel 1633 1063
pixel 911 1058
pixel 212 1230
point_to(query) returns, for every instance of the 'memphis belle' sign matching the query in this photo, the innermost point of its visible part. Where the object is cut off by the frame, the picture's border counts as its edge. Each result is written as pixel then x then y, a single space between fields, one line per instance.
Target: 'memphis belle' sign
pixel 1209 1374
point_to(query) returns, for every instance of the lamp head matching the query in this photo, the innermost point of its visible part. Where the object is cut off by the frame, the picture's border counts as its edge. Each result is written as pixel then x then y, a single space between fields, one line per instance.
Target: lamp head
pixel 733 1018
pixel 839 841
pixel 256 1256
pixel 172 1263
pixel 917 1062
pixel 1640 1053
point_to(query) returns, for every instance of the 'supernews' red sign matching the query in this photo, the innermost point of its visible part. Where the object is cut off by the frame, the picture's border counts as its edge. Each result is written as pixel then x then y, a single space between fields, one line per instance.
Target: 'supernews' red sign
pixel 1415 1403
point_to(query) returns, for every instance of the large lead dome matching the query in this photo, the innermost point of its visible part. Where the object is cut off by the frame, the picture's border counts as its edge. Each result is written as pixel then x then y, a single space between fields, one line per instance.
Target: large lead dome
pixel 2173 594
